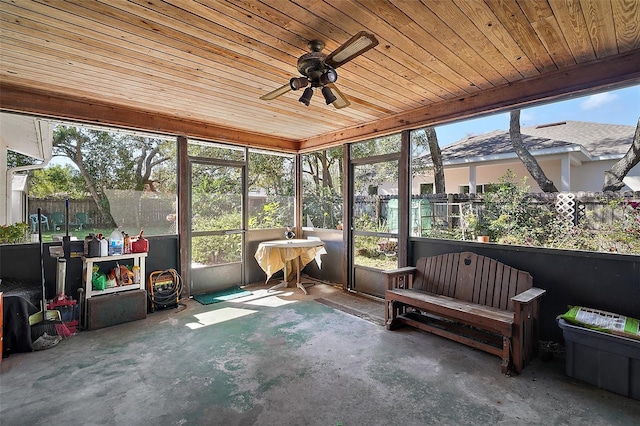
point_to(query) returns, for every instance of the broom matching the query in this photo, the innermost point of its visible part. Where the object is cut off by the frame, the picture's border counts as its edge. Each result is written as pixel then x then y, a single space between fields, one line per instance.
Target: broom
pixel 46 327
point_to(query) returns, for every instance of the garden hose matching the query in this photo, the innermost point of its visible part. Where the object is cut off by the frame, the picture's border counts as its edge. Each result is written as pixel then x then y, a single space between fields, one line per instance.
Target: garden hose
pixel 164 289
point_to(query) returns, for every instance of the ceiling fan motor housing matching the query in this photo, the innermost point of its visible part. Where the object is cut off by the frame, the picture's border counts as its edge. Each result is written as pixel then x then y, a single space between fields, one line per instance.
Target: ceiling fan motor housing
pixel 311 65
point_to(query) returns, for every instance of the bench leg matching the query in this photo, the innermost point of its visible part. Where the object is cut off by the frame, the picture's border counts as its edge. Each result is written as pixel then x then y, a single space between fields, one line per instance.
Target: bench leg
pixel 390 314
pixel 387 312
pixel 525 335
pixel 520 349
pixel 506 355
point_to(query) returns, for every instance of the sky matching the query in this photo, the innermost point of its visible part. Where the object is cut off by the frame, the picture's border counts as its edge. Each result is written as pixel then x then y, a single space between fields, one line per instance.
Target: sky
pixel 620 106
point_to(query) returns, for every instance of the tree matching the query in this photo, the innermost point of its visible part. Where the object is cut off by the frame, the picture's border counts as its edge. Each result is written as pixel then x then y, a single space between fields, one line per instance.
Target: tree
pixel 322 187
pixel 109 161
pixel 529 161
pixel 613 177
pixel 273 174
pixel 436 159
pixel 425 141
pixel 319 165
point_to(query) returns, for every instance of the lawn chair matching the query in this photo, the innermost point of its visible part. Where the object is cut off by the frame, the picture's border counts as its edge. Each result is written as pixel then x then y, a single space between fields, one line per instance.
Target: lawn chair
pixel 83 220
pixel 33 218
pixel 57 220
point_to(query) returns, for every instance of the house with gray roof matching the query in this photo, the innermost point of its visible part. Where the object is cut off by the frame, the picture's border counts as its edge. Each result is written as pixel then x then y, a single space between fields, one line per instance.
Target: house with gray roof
pixel 573 154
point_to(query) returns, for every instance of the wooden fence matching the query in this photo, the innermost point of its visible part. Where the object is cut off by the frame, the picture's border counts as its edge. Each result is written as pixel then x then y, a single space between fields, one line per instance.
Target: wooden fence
pixel 129 209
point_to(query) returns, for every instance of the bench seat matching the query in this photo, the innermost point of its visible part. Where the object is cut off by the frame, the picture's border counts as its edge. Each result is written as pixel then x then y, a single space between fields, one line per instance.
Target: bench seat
pixel 491 319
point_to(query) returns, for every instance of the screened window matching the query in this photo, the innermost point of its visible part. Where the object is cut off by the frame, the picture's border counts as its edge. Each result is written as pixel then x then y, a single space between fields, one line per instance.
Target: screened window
pixel 271 190
pixel 110 180
pixel 322 189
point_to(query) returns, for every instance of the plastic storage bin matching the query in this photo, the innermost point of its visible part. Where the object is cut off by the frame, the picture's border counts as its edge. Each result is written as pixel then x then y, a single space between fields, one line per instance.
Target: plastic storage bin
pixel 605 360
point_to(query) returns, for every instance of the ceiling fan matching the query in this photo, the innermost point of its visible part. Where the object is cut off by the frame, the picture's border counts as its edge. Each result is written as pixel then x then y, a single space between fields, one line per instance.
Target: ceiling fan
pixel 319 70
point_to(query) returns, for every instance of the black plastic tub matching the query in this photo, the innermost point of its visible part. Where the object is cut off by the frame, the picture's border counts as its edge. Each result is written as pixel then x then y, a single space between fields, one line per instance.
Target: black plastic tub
pixel 605 360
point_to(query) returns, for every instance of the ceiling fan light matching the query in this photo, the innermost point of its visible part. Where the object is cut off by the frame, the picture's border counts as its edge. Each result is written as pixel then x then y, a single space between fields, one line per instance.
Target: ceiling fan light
pixel 306 96
pixel 328 95
pixel 329 76
pixel 298 83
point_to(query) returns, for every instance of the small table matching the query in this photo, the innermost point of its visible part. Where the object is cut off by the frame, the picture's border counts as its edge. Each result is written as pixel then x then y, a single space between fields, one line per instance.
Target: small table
pixel 273 256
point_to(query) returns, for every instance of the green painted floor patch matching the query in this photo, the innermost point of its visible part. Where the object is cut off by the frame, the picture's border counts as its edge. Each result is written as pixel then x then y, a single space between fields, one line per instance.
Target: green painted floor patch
pixel 221 296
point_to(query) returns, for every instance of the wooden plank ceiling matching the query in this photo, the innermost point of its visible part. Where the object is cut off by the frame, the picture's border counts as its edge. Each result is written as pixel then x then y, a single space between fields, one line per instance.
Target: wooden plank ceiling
pixel 198 68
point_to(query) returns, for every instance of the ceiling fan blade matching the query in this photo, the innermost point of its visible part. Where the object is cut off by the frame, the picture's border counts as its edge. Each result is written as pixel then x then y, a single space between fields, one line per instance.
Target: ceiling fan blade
pixel 355 46
pixel 278 92
pixel 341 100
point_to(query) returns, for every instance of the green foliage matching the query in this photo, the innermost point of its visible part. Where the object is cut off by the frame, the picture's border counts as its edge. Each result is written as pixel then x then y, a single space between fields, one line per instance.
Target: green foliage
pixel 378 146
pixel 277 212
pixel 366 246
pixel 323 207
pixel 215 249
pixel 510 216
pixel 373 251
pixel 622 235
pixel 271 174
pixel 271 177
pixel 112 160
pixel 15 233
pixel 373 175
pixel 57 181
pixel 476 223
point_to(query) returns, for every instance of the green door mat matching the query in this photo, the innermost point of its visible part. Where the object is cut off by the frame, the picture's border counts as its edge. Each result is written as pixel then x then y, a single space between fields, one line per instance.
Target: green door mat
pixel 221 296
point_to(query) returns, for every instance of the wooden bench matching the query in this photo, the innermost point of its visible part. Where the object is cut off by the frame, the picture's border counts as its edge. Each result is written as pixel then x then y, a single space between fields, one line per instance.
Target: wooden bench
pixel 471 299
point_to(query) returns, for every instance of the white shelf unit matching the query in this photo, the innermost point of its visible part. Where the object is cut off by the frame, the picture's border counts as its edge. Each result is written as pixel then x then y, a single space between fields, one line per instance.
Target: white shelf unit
pixel 138 260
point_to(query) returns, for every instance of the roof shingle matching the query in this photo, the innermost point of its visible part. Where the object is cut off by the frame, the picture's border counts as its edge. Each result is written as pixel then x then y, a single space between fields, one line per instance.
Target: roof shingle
pixel 596 138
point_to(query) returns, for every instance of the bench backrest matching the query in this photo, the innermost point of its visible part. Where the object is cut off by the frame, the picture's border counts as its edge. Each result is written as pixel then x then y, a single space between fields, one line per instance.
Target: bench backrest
pixel 472 278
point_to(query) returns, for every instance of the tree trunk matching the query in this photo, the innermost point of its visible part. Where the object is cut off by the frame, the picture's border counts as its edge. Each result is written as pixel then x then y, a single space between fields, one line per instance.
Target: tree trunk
pixel 79 160
pixel 96 197
pixel 529 161
pixel 436 159
pixel 613 177
pixel 326 174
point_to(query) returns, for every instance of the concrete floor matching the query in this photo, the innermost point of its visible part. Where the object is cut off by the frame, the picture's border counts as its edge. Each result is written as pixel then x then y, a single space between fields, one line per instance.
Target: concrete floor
pixel 283 358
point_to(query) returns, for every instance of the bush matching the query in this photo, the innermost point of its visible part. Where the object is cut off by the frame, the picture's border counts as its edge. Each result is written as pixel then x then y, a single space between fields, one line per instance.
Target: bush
pixel 511 216
pixel 620 236
pixel 13 234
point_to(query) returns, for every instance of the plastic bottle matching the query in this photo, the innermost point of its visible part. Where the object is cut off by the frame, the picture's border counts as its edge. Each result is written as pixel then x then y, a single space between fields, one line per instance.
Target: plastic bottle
pixel 136 274
pixel 87 240
pixel 127 244
pixel 94 248
pixel 104 246
pixel 115 243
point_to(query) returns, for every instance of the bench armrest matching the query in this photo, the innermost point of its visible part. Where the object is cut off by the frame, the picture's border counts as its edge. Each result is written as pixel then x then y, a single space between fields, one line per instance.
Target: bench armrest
pixel 400 271
pixel 401 275
pixel 529 295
